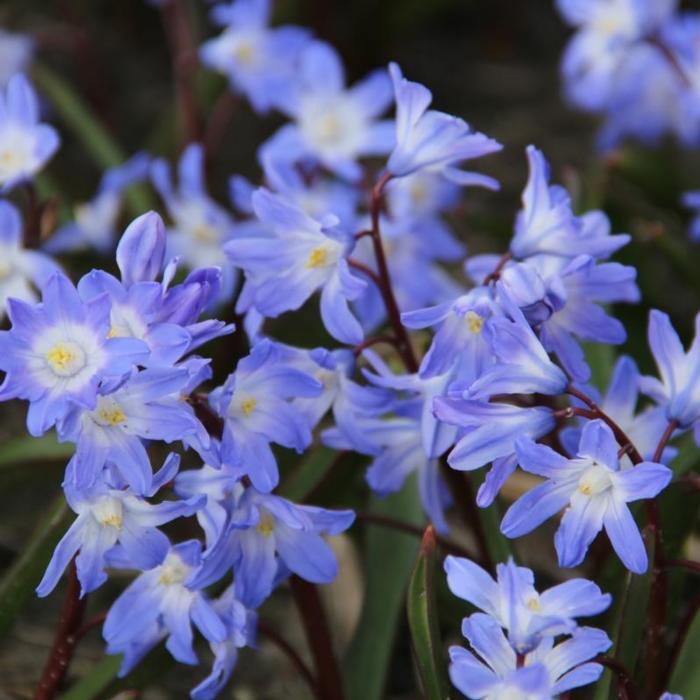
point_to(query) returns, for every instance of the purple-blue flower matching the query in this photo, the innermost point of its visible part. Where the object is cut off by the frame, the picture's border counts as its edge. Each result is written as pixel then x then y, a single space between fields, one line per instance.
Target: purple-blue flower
pixel 25 144
pixel 109 516
pixel 432 140
pixel 58 351
pixel 258 61
pixel 299 257
pixel 691 200
pixel 333 125
pixel 594 491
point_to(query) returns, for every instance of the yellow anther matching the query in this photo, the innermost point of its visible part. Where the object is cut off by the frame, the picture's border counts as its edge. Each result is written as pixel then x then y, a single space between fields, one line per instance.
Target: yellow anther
pixel 266 526
pixel 317 258
pixel 111 416
pixel 248 406
pixel 474 321
pixel 533 604
pixel 205 234
pixel 60 356
pixel 114 520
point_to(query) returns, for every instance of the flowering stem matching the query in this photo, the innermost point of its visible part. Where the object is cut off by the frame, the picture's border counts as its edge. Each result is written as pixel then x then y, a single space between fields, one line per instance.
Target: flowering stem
pixel 388 339
pixel 184 60
pixel 288 650
pixel 386 521
pixel 503 261
pixel 384 278
pixel 313 618
pixel 656 42
pixel 625 686
pixel 65 640
pixel 657 600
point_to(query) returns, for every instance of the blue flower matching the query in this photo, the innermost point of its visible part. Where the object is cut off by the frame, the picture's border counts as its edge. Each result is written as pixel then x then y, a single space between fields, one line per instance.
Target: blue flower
pixel 677 391
pixel 259 62
pixel 200 225
pixel 691 200
pixel 459 335
pixel 147 406
pixel 546 224
pixel 299 257
pixel 528 617
pixel 255 405
pixel 433 140
pixel 488 435
pixel 594 491
pixel 334 125
pixel 523 366
pixel 25 144
pixel 492 671
pixel 96 221
pixel 240 627
pixel 16 50
pixel 162 602
pixel 109 516
pixel 268 537
pixel 22 271
pixel 619 402
pixel 57 352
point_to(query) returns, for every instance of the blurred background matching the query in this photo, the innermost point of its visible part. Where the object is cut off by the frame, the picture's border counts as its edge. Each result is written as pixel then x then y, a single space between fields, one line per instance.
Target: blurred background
pixel 493 62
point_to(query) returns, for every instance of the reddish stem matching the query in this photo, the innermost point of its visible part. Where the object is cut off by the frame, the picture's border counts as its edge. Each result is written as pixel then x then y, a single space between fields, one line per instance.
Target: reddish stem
pixel 313 618
pixel 625 686
pixel 288 650
pixel 365 270
pixel 384 277
pixel 502 262
pixel 65 640
pixel 184 62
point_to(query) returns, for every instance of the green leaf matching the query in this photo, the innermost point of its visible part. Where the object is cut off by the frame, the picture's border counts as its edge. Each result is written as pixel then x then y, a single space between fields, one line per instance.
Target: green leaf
pixel 497 543
pixel 78 117
pixel 308 474
pixel 18 584
pixel 423 622
pixel 29 449
pixel 390 556
pixel 630 621
pixel 99 678
pixel 685 679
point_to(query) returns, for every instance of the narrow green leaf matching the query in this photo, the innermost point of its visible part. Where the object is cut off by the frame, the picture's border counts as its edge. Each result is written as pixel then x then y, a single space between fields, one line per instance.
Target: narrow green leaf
pixel 18 584
pixel 78 117
pixel 99 678
pixel 497 543
pixel 30 449
pixel 390 556
pixel 630 622
pixel 423 622
pixel 685 679
pixel 308 473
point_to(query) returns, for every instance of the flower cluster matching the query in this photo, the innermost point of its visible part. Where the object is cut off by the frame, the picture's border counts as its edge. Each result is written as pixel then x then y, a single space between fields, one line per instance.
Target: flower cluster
pixel 636 64
pixel 353 210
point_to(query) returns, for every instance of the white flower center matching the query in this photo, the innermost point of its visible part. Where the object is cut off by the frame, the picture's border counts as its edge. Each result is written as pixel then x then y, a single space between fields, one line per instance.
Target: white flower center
pixel 109 512
pixel 108 412
pixel 595 480
pixel 332 125
pixel 474 322
pixel 266 525
pixel 173 571
pixel 66 358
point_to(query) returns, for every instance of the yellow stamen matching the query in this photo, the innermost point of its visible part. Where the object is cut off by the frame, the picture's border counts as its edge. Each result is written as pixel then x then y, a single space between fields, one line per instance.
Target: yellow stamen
pixel 534 604
pixel 112 416
pixel 317 258
pixel 266 526
pixel 248 406
pixel 474 321
pixel 60 357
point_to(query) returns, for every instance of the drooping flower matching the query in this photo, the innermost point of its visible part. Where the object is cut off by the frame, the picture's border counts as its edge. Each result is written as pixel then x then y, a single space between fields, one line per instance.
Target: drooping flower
pixel 594 491
pixel 432 140
pixel 299 257
pixel 25 144
pixel 58 351
pixel 15 54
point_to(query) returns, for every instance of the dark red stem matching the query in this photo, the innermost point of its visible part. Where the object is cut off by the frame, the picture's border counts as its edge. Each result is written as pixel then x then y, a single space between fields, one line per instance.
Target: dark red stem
pixel 625 686
pixel 184 62
pixel 503 261
pixel 65 640
pixel 384 277
pixel 288 650
pixel 318 636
